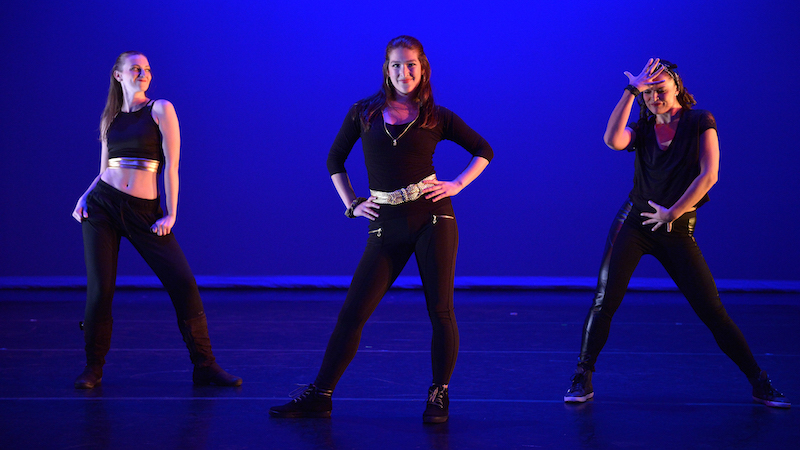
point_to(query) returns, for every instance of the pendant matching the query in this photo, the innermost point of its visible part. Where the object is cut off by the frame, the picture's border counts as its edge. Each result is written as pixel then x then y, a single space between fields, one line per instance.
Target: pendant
pixel 394 142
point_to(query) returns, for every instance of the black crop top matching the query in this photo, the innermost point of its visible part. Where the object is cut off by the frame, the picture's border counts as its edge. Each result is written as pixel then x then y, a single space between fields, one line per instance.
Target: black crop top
pixel 135 134
pixel 390 168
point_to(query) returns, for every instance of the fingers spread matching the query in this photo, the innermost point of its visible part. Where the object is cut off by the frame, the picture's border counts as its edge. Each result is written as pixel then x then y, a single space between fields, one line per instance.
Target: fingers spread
pixel 652 64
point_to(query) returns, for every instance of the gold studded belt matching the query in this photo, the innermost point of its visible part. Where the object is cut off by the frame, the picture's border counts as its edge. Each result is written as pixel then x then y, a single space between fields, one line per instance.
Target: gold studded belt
pixel 402 195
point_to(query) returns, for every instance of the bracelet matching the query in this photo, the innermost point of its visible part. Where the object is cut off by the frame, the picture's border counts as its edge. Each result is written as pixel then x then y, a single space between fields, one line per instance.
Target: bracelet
pixel 632 89
pixel 352 208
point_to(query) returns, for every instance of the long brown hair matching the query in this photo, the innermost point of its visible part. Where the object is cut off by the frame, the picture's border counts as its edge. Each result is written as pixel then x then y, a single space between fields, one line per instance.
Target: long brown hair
pixel 423 94
pixel 685 99
pixel 114 100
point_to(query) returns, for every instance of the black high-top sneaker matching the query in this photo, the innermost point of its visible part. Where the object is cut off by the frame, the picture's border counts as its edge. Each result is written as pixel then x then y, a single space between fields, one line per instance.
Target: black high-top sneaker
pixel 763 392
pixel 308 402
pixel 581 389
pixel 438 407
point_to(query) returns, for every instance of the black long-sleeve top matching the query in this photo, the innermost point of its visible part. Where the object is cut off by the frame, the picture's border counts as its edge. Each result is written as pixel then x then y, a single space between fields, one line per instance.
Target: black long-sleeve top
pixel 390 168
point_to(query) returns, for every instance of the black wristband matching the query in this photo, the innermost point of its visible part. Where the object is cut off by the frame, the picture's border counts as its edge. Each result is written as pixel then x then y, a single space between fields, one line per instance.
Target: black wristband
pixel 632 89
pixel 352 208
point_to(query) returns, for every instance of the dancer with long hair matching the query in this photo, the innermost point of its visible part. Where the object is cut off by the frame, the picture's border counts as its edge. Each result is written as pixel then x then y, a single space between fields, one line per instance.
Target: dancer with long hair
pixel 410 212
pixel 140 139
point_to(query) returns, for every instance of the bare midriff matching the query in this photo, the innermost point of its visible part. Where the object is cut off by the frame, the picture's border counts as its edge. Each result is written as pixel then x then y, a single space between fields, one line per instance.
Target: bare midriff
pixel 135 182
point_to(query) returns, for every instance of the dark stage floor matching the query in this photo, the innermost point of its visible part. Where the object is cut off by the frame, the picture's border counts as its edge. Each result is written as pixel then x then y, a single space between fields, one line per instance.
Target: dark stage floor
pixel 661 382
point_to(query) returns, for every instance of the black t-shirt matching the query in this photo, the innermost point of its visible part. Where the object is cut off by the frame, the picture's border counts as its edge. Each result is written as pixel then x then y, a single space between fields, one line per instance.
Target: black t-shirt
pixel 664 175
pixel 390 168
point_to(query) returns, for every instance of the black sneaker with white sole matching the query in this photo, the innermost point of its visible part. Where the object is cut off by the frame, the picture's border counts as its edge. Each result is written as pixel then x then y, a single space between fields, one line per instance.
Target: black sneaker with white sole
pixel 763 392
pixel 581 389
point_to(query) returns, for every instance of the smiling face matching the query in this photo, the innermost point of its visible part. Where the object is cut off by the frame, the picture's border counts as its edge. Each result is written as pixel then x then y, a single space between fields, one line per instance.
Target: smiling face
pixel 134 76
pixel 662 98
pixel 405 70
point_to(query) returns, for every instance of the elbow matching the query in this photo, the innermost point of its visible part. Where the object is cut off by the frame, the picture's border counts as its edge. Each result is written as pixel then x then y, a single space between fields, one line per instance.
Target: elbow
pixel 611 142
pixel 711 176
pixel 607 139
pixel 709 180
pixel 618 139
pixel 171 169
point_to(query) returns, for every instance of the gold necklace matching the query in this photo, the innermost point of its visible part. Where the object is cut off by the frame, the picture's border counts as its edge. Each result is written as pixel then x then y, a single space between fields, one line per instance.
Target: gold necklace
pixel 394 139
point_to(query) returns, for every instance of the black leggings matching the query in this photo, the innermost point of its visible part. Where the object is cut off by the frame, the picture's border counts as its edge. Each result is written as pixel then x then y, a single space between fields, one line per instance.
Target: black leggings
pixel 433 237
pixel 628 240
pixel 112 215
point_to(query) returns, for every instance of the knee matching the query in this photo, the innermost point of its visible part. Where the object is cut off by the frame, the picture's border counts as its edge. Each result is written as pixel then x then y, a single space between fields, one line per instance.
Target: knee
pixel 99 295
pixel 605 304
pixel 599 312
pixel 351 319
pixel 713 314
pixel 598 305
pixel 442 315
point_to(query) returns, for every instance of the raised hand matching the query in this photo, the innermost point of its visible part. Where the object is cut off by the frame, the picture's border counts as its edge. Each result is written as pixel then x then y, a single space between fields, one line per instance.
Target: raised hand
pixel 644 80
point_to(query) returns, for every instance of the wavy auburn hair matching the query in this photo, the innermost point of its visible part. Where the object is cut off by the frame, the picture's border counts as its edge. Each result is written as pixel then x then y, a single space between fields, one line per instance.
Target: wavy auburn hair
pixel 422 95
pixel 114 100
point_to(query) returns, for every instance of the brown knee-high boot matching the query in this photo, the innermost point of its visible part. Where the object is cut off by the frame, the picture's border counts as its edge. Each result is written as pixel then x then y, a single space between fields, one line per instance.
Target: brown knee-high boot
pixel 98 341
pixel 206 370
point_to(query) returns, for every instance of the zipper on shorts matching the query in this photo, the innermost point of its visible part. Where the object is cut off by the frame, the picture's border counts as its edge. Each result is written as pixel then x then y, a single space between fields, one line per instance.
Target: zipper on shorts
pixel 377 232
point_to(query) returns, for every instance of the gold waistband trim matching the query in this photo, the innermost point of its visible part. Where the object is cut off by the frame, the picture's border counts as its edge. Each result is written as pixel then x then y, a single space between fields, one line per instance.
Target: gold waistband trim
pixel 149 165
pixel 402 195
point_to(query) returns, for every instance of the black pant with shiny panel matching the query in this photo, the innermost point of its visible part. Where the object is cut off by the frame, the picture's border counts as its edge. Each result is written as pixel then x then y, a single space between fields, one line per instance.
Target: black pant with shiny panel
pixel 433 238
pixel 628 240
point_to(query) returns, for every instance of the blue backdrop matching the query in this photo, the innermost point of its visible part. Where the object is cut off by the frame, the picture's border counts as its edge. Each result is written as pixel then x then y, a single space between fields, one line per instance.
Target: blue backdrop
pixel 261 89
